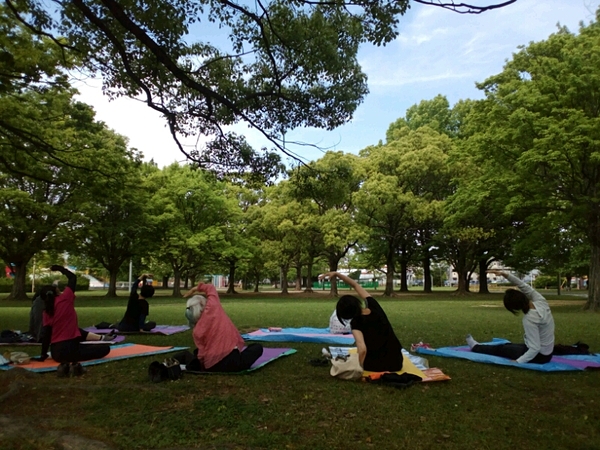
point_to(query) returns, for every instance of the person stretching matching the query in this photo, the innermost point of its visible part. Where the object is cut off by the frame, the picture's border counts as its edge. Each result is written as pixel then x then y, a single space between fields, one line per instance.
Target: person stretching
pixel 219 345
pixel 379 350
pixel 60 330
pixel 138 308
pixel 538 324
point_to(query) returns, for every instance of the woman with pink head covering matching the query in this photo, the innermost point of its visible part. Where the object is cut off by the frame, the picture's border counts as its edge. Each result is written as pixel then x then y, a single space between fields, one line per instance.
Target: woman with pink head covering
pixel 219 345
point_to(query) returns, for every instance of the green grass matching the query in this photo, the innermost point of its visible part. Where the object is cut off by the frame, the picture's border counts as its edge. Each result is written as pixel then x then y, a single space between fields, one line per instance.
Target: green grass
pixel 291 404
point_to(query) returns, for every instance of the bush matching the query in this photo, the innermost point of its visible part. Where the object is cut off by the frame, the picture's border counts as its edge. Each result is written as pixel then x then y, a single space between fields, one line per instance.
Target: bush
pixel 546 282
pixel 6 285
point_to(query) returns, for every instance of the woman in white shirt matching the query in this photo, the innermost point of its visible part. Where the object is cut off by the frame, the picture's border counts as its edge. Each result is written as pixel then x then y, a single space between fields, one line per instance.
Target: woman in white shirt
pixel 538 324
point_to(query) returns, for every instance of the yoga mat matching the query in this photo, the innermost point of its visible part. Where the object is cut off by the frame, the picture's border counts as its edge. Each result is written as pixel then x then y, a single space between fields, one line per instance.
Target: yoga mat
pixel 165 330
pixel 408 366
pixel 557 364
pixel 116 340
pixel 304 334
pixel 122 351
pixel 269 355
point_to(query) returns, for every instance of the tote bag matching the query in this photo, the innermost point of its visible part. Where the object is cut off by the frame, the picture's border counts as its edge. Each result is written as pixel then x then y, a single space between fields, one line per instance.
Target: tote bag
pixel 346 368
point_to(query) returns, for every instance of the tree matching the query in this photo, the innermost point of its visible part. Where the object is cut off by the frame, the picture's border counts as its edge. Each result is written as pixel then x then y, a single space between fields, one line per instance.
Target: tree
pixel 38 211
pixel 289 64
pixel 329 184
pixel 190 212
pixel 542 134
pixel 402 197
pixel 116 226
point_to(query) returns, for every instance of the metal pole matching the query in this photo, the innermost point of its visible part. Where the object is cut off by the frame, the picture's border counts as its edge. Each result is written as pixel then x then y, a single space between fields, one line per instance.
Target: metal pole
pixel 130 273
pixel 33 278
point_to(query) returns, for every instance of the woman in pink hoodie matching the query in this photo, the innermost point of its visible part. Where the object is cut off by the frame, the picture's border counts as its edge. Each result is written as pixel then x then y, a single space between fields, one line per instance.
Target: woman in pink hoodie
pixel 219 345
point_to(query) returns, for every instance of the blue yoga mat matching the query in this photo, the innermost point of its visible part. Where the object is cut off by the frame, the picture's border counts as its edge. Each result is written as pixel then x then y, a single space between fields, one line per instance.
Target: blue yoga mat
pixel 304 334
pixel 557 364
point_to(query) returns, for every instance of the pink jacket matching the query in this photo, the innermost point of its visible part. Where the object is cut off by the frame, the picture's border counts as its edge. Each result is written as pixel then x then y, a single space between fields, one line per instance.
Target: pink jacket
pixel 215 335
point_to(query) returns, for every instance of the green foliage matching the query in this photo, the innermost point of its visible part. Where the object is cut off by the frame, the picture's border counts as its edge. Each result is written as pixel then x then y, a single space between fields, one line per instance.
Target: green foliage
pixel 284 64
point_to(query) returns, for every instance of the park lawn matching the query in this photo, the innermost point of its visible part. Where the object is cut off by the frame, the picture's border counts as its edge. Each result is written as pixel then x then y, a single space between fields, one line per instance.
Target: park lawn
pixel 290 404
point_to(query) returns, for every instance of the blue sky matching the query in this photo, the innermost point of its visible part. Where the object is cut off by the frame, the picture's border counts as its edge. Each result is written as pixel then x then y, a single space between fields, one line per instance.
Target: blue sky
pixel 437 52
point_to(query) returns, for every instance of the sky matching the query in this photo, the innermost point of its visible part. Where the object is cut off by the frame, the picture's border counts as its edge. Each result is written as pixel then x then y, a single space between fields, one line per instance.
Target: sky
pixel 436 52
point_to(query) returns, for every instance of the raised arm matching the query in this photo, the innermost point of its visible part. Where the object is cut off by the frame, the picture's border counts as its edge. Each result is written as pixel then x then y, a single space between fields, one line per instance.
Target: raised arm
pixel 71 277
pixel 361 291
pixel 531 293
pixel 209 289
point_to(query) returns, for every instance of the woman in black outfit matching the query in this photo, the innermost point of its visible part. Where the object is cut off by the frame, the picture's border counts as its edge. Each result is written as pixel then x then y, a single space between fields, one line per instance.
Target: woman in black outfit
pixel 379 350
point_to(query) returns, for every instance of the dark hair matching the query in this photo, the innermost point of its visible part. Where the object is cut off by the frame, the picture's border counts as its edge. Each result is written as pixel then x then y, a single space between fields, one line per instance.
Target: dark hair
pixel 348 307
pixel 147 291
pixel 515 301
pixel 48 294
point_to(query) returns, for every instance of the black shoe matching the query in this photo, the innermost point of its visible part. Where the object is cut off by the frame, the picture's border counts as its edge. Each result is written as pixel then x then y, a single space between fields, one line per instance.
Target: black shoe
pixel 62 370
pixel 157 372
pixel 319 362
pixel 77 370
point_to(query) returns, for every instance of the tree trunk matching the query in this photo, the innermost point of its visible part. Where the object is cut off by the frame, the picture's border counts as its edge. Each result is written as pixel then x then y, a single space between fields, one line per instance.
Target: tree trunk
pixel 403 276
pixel 427 284
pixel 19 290
pixel 165 281
pixel 389 276
pixel 231 285
pixel 309 281
pixel 299 277
pixel 593 302
pixel 284 282
pixel 483 284
pixel 112 283
pixel 176 283
pixel 461 272
pixel 333 267
pixel 256 282
pixel 558 286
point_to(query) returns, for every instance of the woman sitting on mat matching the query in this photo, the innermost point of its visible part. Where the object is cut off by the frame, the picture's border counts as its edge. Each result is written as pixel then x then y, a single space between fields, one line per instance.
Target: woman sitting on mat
pixel 538 324
pixel 61 332
pixel 379 350
pixel 219 345
pixel 138 308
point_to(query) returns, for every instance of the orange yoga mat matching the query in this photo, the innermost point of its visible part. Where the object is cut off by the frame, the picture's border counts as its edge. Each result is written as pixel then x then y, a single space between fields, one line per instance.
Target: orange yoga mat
pixel 117 352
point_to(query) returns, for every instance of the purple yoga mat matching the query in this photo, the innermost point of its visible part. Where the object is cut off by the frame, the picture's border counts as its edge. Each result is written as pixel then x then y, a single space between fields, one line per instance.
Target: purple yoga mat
pixel 165 330
pixel 268 355
pixel 579 364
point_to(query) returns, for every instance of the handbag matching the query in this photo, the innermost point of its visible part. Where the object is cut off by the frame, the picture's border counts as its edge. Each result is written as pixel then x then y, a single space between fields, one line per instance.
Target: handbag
pixel 346 367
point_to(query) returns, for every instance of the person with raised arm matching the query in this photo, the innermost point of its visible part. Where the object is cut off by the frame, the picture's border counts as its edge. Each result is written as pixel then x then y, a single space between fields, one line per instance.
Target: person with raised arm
pixel 219 345
pixel 538 325
pixel 138 308
pixel 60 330
pixel 379 350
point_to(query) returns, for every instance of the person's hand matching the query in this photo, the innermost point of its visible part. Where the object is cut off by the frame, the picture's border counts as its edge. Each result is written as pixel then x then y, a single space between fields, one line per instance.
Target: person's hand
pixel 327 275
pixel 496 272
pixel 190 293
pixel 56 268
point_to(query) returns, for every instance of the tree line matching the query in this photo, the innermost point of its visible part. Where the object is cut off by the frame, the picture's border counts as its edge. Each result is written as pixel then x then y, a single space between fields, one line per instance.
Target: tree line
pixel 513 177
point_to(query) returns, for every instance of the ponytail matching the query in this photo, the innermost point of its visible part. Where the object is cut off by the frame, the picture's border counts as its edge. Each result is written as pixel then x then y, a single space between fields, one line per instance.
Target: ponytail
pixel 48 294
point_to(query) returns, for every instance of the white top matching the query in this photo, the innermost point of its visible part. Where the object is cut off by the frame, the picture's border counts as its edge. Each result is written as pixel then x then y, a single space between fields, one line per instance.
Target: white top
pixel 336 327
pixel 538 323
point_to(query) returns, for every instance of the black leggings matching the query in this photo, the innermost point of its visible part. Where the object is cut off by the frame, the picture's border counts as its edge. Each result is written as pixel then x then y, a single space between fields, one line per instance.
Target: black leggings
pixel 236 361
pixel 148 326
pixel 510 351
pixel 73 351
